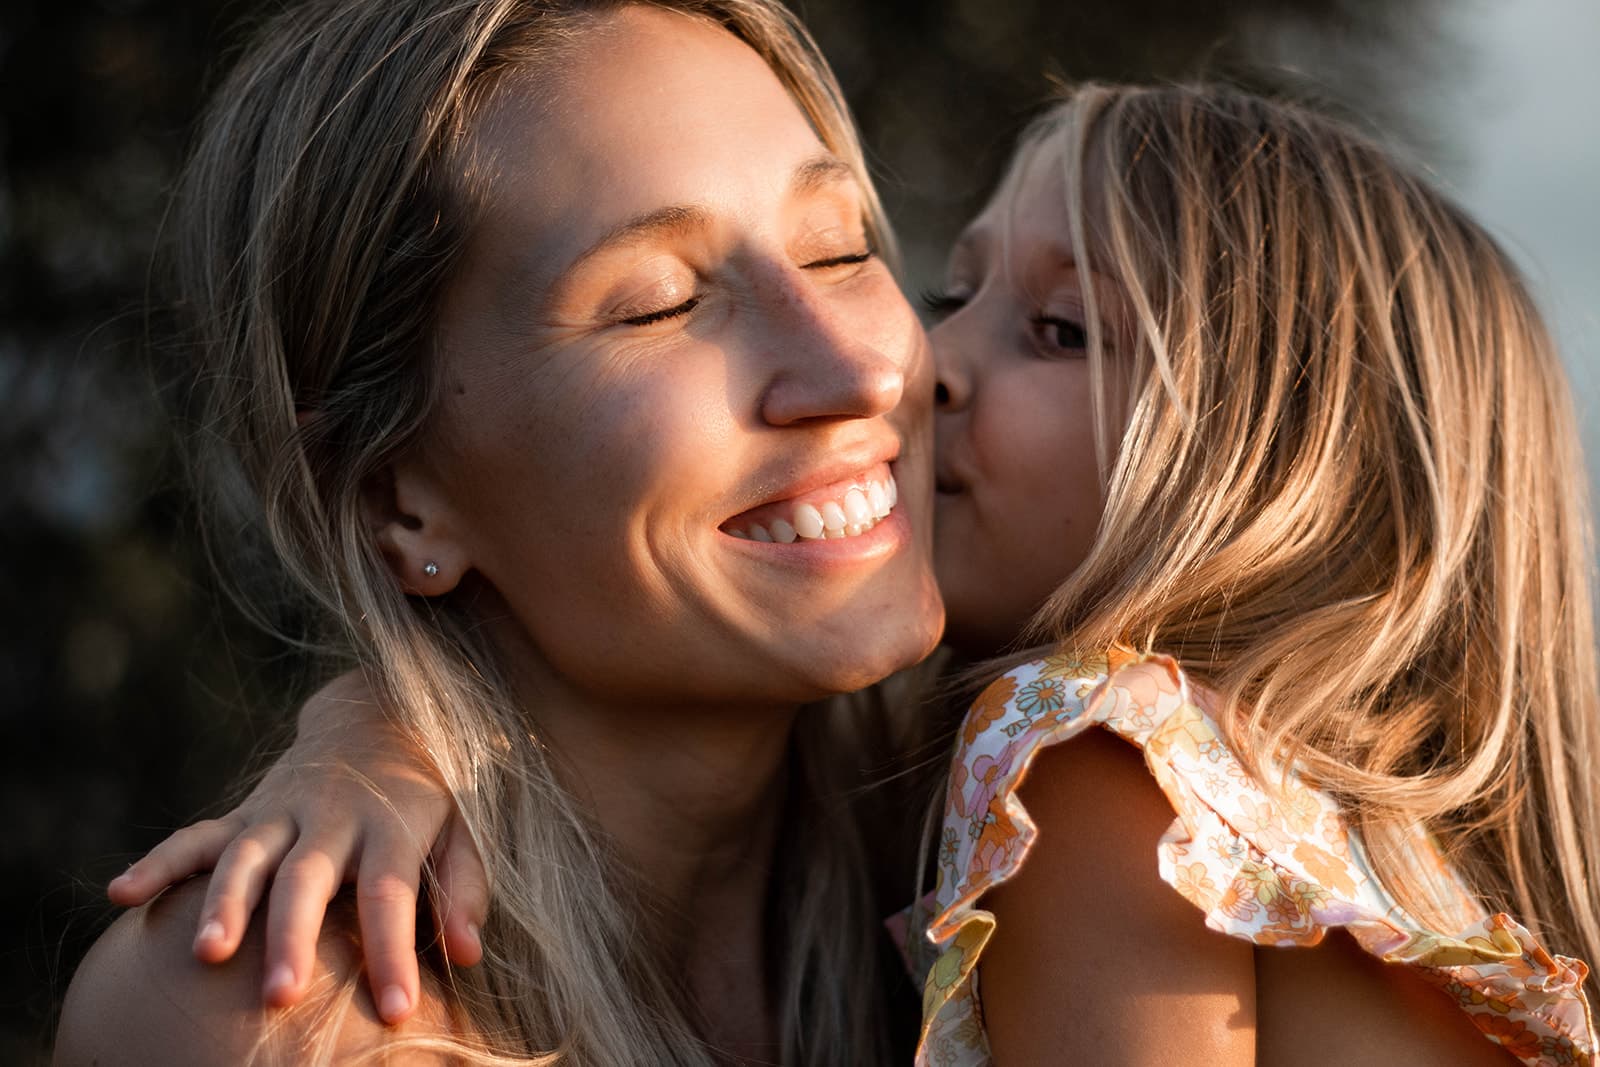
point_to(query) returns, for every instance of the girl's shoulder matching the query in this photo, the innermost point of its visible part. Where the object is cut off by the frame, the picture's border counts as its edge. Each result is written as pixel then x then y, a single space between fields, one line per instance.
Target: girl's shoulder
pixel 1271 861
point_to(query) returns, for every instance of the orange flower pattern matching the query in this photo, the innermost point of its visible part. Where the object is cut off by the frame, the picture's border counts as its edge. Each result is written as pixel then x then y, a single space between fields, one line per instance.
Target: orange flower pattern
pixel 990 705
pixel 1274 867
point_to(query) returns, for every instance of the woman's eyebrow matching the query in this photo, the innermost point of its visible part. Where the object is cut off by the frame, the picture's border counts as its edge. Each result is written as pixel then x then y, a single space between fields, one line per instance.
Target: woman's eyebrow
pixel 822 169
pixel 671 221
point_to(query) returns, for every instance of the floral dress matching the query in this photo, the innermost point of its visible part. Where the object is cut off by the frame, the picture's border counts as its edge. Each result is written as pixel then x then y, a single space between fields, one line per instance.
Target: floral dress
pixel 1274 869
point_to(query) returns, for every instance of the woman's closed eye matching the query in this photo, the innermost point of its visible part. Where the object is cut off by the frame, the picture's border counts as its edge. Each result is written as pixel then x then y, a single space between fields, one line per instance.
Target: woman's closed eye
pixel 661 315
pixel 678 310
pixel 848 259
pixel 838 264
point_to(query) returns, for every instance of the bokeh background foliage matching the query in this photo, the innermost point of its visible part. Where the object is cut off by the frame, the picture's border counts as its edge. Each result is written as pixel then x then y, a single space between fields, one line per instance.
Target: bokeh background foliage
pixel 131 695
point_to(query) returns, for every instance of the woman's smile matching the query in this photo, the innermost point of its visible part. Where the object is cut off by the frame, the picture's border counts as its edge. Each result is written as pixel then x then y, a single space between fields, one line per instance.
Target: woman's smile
pixel 839 510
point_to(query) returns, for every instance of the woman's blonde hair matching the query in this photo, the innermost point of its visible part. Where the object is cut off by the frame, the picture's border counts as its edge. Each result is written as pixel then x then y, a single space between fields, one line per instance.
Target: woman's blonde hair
pixel 1343 485
pixel 326 205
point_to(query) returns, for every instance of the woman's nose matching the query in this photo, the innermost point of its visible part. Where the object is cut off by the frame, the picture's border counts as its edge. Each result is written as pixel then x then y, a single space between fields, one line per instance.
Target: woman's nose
pixel 835 361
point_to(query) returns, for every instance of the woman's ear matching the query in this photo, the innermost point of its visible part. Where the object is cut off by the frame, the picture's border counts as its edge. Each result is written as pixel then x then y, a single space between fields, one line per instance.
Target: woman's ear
pixel 415 529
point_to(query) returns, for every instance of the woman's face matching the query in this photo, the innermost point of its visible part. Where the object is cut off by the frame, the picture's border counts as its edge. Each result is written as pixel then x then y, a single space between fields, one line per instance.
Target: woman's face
pixel 670 331
pixel 1018 492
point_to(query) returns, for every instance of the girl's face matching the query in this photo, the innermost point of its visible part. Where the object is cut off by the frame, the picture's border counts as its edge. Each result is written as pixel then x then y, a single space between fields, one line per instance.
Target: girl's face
pixel 671 356
pixel 1018 491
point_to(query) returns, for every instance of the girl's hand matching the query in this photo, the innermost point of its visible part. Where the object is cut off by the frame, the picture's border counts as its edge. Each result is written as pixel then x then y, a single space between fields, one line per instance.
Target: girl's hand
pixel 350 799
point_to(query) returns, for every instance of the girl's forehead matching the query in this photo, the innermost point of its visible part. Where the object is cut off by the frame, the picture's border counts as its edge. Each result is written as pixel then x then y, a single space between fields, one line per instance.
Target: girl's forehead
pixel 1037 186
pixel 1028 212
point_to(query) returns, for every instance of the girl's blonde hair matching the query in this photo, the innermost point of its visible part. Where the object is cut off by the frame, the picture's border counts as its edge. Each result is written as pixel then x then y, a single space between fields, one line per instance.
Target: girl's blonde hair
pixel 1343 485
pixel 326 205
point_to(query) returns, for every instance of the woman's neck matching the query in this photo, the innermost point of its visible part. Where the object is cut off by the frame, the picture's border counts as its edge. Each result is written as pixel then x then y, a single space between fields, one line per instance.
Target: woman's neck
pixel 689 792
pixel 691 798
pixel 693 803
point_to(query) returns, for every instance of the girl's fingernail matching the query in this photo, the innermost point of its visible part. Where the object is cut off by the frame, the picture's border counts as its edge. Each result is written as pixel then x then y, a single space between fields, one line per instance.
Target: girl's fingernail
pixel 280 981
pixel 211 931
pixel 393 1003
pixel 474 933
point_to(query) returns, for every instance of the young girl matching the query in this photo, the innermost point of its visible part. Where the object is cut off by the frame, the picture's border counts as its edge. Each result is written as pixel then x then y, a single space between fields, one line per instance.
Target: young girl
pixel 1334 613
pixel 1258 446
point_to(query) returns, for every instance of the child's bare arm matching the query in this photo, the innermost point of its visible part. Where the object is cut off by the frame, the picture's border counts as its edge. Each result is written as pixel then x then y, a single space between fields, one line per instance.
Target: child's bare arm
pixel 351 800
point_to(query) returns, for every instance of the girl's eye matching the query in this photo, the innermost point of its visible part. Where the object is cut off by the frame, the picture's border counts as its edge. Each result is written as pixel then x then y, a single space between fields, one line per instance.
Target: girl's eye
pixel 941 302
pixel 1062 333
pixel 665 313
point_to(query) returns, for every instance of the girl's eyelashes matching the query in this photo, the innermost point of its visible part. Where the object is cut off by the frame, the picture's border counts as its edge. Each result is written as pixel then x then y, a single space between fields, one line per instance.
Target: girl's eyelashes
pixel 1060 333
pixel 942 301
pixel 1054 331
pixel 665 313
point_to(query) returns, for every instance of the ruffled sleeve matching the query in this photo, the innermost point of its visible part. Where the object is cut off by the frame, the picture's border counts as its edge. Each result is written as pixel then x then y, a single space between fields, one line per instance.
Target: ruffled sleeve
pixel 1278 868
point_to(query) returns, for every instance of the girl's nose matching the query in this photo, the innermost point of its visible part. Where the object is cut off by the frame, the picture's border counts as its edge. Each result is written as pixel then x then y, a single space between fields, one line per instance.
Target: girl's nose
pixel 952 386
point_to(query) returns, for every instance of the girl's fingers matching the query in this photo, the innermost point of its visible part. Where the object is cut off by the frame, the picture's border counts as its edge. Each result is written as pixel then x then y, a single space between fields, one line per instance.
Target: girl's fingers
pixel 311 874
pixel 187 851
pixel 386 902
pixel 236 885
pixel 463 892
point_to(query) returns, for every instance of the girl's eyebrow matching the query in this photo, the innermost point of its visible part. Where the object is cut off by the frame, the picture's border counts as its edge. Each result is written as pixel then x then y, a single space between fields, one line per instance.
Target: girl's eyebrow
pixel 971 247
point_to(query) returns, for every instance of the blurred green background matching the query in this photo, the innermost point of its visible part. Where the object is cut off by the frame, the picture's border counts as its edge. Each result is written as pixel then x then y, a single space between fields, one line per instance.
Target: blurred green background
pixel 131 696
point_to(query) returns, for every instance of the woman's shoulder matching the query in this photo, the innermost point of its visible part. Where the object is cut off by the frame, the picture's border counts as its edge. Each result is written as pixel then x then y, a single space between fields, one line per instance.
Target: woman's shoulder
pixel 140 996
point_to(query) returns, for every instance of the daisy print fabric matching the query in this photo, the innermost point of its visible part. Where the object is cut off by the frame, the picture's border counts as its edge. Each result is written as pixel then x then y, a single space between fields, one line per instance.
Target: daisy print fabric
pixel 1278 868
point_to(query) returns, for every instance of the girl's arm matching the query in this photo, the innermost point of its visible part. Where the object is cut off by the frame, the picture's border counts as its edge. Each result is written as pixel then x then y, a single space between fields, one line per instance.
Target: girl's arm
pixel 1094 958
pixel 350 800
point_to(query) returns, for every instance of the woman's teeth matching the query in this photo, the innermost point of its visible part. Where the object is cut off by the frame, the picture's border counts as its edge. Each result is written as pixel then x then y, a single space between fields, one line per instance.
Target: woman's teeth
pixel 858 511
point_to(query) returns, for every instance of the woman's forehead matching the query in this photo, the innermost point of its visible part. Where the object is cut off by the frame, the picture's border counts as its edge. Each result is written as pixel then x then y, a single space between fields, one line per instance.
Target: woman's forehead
pixel 645 91
pixel 662 113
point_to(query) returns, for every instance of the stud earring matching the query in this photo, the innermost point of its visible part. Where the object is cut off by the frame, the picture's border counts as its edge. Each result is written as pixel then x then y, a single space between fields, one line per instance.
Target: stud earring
pixel 431 569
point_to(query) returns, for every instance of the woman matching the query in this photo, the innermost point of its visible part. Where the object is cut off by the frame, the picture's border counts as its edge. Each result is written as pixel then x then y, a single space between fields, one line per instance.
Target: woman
pixel 510 314
pixel 1218 379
